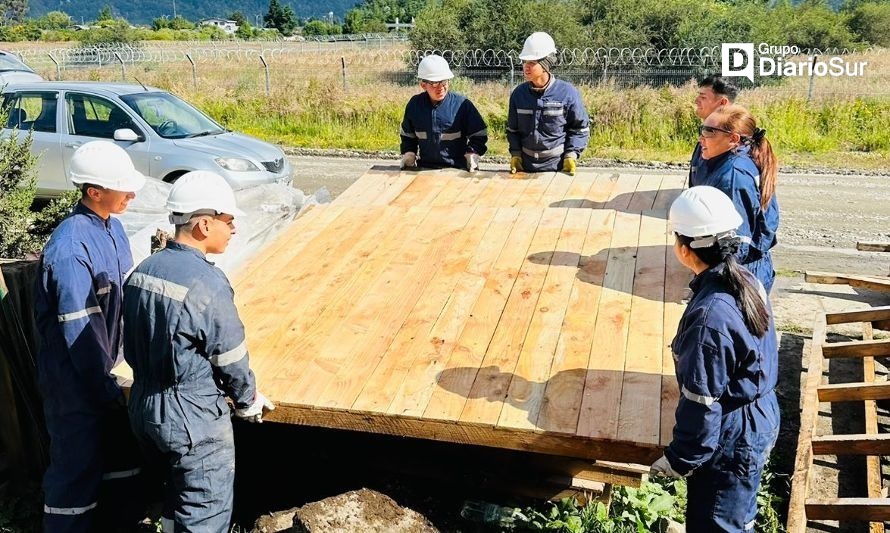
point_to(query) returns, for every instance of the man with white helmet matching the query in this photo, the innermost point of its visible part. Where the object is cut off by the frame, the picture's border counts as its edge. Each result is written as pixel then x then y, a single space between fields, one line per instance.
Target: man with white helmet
pixel 547 124
pixel 78 306
pixel 441 128
pixel 186 345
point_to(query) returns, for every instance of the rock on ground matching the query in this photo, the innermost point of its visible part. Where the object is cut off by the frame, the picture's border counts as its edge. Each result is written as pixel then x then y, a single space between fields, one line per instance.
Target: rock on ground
pixel 357 511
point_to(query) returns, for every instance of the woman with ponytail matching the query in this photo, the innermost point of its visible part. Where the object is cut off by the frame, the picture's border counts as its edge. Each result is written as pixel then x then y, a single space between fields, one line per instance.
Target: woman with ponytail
pixel 739 161
pixel 726 361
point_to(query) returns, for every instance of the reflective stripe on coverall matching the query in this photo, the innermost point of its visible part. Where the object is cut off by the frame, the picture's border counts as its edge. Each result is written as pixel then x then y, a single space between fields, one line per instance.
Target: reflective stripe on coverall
pixel 727 418
pixel 183 336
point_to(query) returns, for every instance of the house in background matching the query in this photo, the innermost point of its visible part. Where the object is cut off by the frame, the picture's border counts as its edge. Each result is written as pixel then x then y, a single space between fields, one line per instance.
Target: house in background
pixel 228 26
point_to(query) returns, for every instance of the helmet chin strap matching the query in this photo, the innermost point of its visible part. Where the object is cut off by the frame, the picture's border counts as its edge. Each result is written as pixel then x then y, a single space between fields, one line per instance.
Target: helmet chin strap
pixel 178 219
pixel 711 240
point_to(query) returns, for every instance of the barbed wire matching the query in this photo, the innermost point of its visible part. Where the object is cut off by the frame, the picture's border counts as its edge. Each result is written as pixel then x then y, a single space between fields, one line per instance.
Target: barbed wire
pixel 250 52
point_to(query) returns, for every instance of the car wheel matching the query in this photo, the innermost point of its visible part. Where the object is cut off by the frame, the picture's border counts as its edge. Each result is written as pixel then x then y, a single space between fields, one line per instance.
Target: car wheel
pixel 173 176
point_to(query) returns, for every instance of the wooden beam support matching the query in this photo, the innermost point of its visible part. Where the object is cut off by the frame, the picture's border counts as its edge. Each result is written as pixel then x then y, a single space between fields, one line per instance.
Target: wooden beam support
pixel 800 479
pixel 866 315
pixel 880 348
pixel 873 482
pixel 850 392
pixel 849 509
pixel 860 282
pixel 859 444
pixel 873 246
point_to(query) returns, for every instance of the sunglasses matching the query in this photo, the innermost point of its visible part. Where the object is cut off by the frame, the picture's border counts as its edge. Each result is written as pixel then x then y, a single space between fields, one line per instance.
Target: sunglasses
pixel 710 131
pixel 436 84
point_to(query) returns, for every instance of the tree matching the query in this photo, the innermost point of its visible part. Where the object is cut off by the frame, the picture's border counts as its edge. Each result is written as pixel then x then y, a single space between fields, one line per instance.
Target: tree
pixel 14 10
pixel 871 23
pixel 238 17
pixel 281 18
pixel 54 20
pixel 105 14
pixel 320 27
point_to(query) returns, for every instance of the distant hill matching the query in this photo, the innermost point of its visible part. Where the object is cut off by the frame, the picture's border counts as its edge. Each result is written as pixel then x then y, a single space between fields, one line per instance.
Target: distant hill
pixel 144 11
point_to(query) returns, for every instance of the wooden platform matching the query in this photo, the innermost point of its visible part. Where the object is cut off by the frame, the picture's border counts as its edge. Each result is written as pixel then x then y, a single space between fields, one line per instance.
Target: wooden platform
pixel 530 313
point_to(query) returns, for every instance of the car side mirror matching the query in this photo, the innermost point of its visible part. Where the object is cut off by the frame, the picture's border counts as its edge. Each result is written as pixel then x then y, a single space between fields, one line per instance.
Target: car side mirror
pixel 126 134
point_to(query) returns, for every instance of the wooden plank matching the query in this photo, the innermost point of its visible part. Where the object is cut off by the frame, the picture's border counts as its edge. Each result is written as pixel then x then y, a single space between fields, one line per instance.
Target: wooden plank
pixel 389 194
pixel 873 246
pixel 511 193
pixel 875 314
pixel 859 282
pixel 849 392
pixel 879 348
pixel 422 190
pixel 454 190
pixel 492 194
pixel 621 194
pixel 800 478
pixel 676 287
pixel 557 191
pixel 531 196
pixel 873 481
pixel 849 509
pixel 530 377
pixel 577 192
pixel 601 191
pixel 433 350
pixel 671 187
pixel 370 186
pixel 644 197
pixel 602 390
pixel 464 433
pixel 625 474
pixel 459 373
pixel 486 398
pixel 639 419
pixel 858 444
pixel 370 325
pixel 568 372
pixel 399 358
pixel 470 194
pixel 289 351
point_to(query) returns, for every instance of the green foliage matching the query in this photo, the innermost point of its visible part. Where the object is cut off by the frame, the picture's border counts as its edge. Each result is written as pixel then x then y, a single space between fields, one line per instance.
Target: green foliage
pixel 320 27
pixel 109 31
pixel 105 13
pixel 870 23
pixel 27 31
pixel 176 23
pixel 371 16
pixel 14 10
pixel 54 20
pixel 282 18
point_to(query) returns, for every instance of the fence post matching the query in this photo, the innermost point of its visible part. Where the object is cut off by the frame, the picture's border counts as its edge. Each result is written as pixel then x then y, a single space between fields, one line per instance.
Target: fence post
pixel 123 67
pixel 512 71
pixel 194 71
pixel 812 78
pixel 343 70
pixel 58 68
pixel 266 68
pixel 605 69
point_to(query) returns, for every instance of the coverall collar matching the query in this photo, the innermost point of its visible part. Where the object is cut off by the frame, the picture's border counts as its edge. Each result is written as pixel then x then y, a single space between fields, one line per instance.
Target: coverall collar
pixel 81 209
pixel 178 246
pixel 706 276
pixel 715 162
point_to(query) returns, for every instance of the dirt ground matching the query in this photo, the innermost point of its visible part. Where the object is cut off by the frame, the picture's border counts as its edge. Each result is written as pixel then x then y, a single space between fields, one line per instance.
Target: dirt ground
pixel 823 216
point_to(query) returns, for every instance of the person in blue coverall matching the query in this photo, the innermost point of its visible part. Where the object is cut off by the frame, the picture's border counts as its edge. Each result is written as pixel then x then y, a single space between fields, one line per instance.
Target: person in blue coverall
pixel 78 307
pixel 441 128
pixel 726 361
pixel 713 92
pixel 186 345
pixel 547 124
pixel 739 161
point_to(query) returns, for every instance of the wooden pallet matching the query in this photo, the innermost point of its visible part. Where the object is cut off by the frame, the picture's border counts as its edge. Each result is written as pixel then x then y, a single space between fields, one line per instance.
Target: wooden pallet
pixel 876 506
pixel 531 314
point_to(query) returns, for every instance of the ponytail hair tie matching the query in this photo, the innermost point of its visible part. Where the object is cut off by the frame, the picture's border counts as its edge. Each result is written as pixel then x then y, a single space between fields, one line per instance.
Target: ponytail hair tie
pixel 758 134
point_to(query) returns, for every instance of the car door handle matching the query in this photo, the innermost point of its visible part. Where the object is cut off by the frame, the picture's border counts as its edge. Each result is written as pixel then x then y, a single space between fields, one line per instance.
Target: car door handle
pixel 72 145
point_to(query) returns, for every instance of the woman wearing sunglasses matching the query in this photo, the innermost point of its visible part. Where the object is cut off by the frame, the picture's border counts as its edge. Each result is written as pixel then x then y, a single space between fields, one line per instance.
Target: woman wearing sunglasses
pixel 739 161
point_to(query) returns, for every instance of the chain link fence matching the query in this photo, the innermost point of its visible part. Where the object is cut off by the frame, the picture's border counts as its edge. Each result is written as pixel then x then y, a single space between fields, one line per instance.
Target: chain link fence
pixel 358 65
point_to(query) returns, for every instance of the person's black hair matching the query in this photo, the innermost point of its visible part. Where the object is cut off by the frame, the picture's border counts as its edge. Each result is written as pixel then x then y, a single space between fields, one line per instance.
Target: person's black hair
pixel 739 283
pixel 720 86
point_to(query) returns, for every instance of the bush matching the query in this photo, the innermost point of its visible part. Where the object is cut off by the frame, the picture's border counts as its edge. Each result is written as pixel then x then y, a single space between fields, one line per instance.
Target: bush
pixel 870 23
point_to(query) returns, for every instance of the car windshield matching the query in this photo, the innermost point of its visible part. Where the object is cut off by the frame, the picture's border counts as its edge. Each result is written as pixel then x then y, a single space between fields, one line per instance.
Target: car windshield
pixel 8 62
pixel 171 117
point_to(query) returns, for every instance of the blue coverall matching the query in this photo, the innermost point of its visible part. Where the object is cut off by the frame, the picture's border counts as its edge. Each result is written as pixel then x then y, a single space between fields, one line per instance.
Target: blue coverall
pixel 442 134
pixel 727 419
pixel 737 176
pixel 186 345
pixel 696 166
pixel 544 125
pixel 78 308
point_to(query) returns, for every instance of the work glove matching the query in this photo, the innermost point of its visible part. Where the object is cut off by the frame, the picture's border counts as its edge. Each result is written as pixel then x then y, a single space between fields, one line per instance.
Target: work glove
pixel 409 160
pixel 570 164
pixel 516 164
pixel 662 467
pixel 472 161
pixel 254 413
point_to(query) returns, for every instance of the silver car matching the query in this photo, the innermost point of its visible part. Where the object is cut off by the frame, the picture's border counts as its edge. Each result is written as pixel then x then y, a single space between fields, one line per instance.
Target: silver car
pixel 12 70
pixel 165 136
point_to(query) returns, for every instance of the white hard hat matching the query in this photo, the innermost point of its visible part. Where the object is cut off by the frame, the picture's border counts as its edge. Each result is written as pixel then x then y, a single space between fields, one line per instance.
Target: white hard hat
pixel 105 164
pixel 537 46
pixel 434 68
pixel 200 191
pixel 703 211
